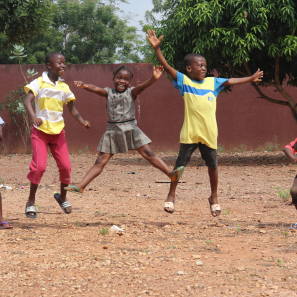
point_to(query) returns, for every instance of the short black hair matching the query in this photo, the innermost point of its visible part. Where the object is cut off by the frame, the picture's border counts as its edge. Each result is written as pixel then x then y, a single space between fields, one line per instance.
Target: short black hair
pixel 50 55
pixel 122 67
pixel 188 59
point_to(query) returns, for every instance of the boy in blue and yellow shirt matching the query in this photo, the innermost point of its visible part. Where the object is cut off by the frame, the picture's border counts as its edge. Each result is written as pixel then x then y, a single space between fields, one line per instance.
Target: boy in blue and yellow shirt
pixel 200 126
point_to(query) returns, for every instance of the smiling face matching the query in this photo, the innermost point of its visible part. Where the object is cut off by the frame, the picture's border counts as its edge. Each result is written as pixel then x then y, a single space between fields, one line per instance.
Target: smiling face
pixel 122 80
pixel 57 66
pixel 197 69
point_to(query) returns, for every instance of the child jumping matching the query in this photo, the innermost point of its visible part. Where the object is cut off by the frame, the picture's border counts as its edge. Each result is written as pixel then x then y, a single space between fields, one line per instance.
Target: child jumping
pixel 290 151
pixel 200 127
pixel 122 133
pixel 3 225
pixel 49 94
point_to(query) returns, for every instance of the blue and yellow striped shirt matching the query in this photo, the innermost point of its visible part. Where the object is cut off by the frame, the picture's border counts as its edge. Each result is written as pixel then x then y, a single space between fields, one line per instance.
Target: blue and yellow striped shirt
pixel 200 124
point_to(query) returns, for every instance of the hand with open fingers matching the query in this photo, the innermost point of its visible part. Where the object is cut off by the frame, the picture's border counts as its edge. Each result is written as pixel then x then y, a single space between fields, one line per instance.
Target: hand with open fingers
pixel 87 124
pixel 81 84
pixel 157 72
pixel 257 75
pixel 153 39
pixel 37 122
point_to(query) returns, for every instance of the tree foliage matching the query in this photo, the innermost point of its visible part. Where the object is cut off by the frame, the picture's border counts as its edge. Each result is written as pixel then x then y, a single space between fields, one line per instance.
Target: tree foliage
pixel 236 37
pixel 87 31
pixel 20 20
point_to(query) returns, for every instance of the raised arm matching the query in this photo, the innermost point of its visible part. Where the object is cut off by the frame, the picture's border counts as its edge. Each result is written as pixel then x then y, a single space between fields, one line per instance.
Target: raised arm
pixel 236 81
pixel 91 88
pixel 155 42
pixel 75 114
pixel 27 103
pixel 157 72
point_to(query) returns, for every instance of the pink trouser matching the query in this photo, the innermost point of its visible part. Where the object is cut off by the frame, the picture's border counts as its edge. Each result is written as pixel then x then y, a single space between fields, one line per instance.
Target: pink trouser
pixel 58 146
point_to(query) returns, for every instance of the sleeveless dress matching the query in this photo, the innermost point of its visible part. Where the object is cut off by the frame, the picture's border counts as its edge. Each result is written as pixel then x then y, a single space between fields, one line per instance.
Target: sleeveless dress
pixel 122 133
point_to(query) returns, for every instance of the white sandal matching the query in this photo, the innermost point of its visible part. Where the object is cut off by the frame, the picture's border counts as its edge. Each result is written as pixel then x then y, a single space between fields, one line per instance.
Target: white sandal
pixel 214 208
pixel 169 207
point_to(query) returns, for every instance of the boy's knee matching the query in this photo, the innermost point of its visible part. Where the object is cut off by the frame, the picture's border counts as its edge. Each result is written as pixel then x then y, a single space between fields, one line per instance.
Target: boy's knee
pixel 182 161
pixel 294 195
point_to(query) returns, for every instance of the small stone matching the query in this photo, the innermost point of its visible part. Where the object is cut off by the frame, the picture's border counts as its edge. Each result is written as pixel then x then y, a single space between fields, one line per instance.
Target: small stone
pixel 180 273
pixel 199 263
pixel 241 268
pixel 274 287
pixel 196 256
pixel 263 231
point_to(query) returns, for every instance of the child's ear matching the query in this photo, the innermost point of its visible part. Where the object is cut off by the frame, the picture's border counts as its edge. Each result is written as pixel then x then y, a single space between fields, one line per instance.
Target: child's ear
pixel 188 68
pixel 48 65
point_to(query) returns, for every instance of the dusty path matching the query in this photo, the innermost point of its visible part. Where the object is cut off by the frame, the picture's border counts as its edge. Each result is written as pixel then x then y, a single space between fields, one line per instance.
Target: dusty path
pixel 248 251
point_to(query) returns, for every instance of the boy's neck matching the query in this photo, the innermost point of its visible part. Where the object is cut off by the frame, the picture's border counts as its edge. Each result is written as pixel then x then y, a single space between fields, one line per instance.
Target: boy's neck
pixel 52 77
pixel 194 78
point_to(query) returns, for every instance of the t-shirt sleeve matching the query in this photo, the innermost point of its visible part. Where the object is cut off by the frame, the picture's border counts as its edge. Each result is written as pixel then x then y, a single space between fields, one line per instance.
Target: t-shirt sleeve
pixel 179 83
pixel 292 146
pixel 32 86
pixel 69 97
pixel 1 122
pixel 219 85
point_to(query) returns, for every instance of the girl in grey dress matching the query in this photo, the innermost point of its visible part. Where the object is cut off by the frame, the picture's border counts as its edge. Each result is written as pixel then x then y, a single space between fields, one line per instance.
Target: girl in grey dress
pixel 122 133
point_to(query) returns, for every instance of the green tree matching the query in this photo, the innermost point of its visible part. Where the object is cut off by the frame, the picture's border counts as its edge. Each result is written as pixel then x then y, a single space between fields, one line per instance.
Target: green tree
pixel 236 37
pixel 20 20
pixel 88 31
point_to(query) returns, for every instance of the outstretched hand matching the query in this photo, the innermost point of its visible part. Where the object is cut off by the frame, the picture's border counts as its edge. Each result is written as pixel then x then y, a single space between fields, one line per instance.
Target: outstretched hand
pixel 257 75
pixel 86 124
pixel 81 84
pixel 157 72
pixel 153 39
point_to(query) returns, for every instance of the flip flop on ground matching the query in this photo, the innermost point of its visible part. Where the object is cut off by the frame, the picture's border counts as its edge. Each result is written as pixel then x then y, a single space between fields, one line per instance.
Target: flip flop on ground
pixel 29 210
pixel 169 207
pixel 73 189
pixel 214 208
pixel 7 225
pixel 178 172
pixel 64 204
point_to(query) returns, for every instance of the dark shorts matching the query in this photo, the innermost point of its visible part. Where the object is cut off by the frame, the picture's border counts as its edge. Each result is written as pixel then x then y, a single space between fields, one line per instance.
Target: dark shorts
pixel 186 150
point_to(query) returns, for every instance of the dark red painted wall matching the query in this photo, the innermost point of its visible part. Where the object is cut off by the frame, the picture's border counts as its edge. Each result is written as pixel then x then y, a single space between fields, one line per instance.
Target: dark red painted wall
pixel 242 117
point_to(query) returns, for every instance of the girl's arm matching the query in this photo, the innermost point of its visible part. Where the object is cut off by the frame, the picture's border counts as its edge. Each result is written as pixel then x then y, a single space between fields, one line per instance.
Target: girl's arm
pixel 28 100
pixel 290 155
pixel 155 42
pixel 236 81
pixel 91 88
pixel 157 72
pixel 73 111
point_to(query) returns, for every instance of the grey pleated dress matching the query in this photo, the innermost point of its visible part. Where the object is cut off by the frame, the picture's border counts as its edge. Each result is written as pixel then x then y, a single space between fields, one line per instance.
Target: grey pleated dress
pixel 122 133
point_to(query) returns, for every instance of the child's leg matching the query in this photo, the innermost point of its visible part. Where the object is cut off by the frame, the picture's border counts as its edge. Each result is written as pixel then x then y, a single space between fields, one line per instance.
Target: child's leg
pixel 156 161
pixel 3 225
pixel 38 163
pixel 209 155
pixel 184 156
pixel 101 161
pixel 59 150
pixel 294 192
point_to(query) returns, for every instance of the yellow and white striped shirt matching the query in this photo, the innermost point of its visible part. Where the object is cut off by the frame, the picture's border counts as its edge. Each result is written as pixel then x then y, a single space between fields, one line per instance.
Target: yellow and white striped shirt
pixel 49 100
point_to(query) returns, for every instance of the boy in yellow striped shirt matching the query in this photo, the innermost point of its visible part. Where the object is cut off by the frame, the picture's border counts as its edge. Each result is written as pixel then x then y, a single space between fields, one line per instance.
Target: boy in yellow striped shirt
pixel 49 94
pixel 200 126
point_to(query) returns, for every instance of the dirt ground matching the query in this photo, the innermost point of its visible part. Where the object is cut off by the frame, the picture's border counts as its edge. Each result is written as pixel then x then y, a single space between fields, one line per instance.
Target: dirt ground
pixel 250 250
